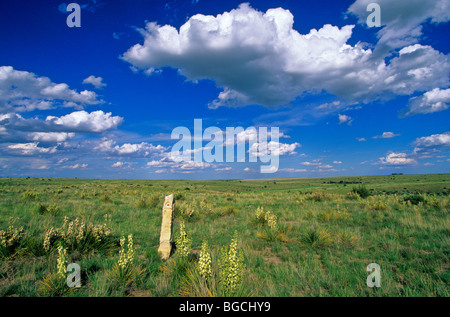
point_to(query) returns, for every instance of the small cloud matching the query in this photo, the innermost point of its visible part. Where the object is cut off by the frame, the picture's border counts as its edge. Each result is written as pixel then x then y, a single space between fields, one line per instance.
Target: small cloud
pixel 337 162
pixel 97 82
pixel 64 159
pixel 228 168
pixel 361 139
pixel 310 163
pixel 293 170
pixel 343 118
pixel 397 159
pixel 386 135
pixel 76 166
pixel 117 164
pixel 247 169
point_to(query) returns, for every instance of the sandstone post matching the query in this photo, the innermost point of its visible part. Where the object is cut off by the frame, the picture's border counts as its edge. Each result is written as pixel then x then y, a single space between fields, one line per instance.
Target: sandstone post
pixel 166 228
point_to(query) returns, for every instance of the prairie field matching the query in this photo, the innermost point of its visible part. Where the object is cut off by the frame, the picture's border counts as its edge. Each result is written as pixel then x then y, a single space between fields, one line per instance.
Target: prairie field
pixel 267 238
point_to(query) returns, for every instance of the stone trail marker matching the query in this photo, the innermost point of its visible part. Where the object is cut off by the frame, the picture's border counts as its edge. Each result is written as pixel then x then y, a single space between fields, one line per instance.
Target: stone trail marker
pixel 166 228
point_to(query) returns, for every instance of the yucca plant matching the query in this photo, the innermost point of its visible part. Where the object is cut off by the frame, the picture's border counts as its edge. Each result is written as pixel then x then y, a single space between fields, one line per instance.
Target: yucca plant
pixel 77 235
pixel 55 283
pixel 125 271
pixel 193 284
pixel 10 240
pixel 204 261
pixel 231 268
pixel 183 242
pixel 316 238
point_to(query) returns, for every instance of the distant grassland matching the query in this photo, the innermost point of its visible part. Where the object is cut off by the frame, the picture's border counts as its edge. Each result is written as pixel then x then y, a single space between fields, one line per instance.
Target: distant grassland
pixel 297 236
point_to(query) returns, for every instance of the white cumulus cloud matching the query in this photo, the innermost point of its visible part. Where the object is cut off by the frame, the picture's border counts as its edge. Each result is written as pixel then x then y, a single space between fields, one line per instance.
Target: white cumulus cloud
pixel 31 148
pixel 142 149
pixel 397 159
pixel 432 143
pixel 97 82
pixel 432 101
pixel 24 91
pixel 96 121
pixel 258 58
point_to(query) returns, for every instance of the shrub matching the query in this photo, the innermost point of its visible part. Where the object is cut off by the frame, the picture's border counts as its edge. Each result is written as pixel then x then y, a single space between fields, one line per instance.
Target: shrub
pixel 415 199
pixel 362 191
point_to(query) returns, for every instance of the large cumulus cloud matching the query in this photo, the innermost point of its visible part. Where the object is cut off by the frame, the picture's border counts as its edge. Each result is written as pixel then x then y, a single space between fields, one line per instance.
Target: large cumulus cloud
pixel 258 58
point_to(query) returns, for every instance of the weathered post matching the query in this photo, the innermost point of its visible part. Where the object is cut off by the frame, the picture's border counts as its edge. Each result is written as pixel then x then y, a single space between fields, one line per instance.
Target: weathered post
pixel 166 228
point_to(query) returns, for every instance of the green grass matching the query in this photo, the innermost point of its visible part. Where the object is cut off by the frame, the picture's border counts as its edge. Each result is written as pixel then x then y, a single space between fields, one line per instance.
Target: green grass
pixel 326 234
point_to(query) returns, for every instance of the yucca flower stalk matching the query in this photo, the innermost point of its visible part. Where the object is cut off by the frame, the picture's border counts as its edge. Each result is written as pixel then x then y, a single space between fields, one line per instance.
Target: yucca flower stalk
pixel 271 220
pixel 231 267
pixel 61 262
pixel 183 242
pixel 124 271
pixel 204 262
pixel 126 258
pixel 260 214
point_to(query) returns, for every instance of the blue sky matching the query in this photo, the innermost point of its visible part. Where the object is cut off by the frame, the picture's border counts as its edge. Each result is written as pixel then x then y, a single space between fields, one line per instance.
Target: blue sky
pixel 101 100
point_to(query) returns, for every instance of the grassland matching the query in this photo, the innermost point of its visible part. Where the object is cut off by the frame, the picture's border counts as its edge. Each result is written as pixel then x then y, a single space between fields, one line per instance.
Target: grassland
pixel 298 237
